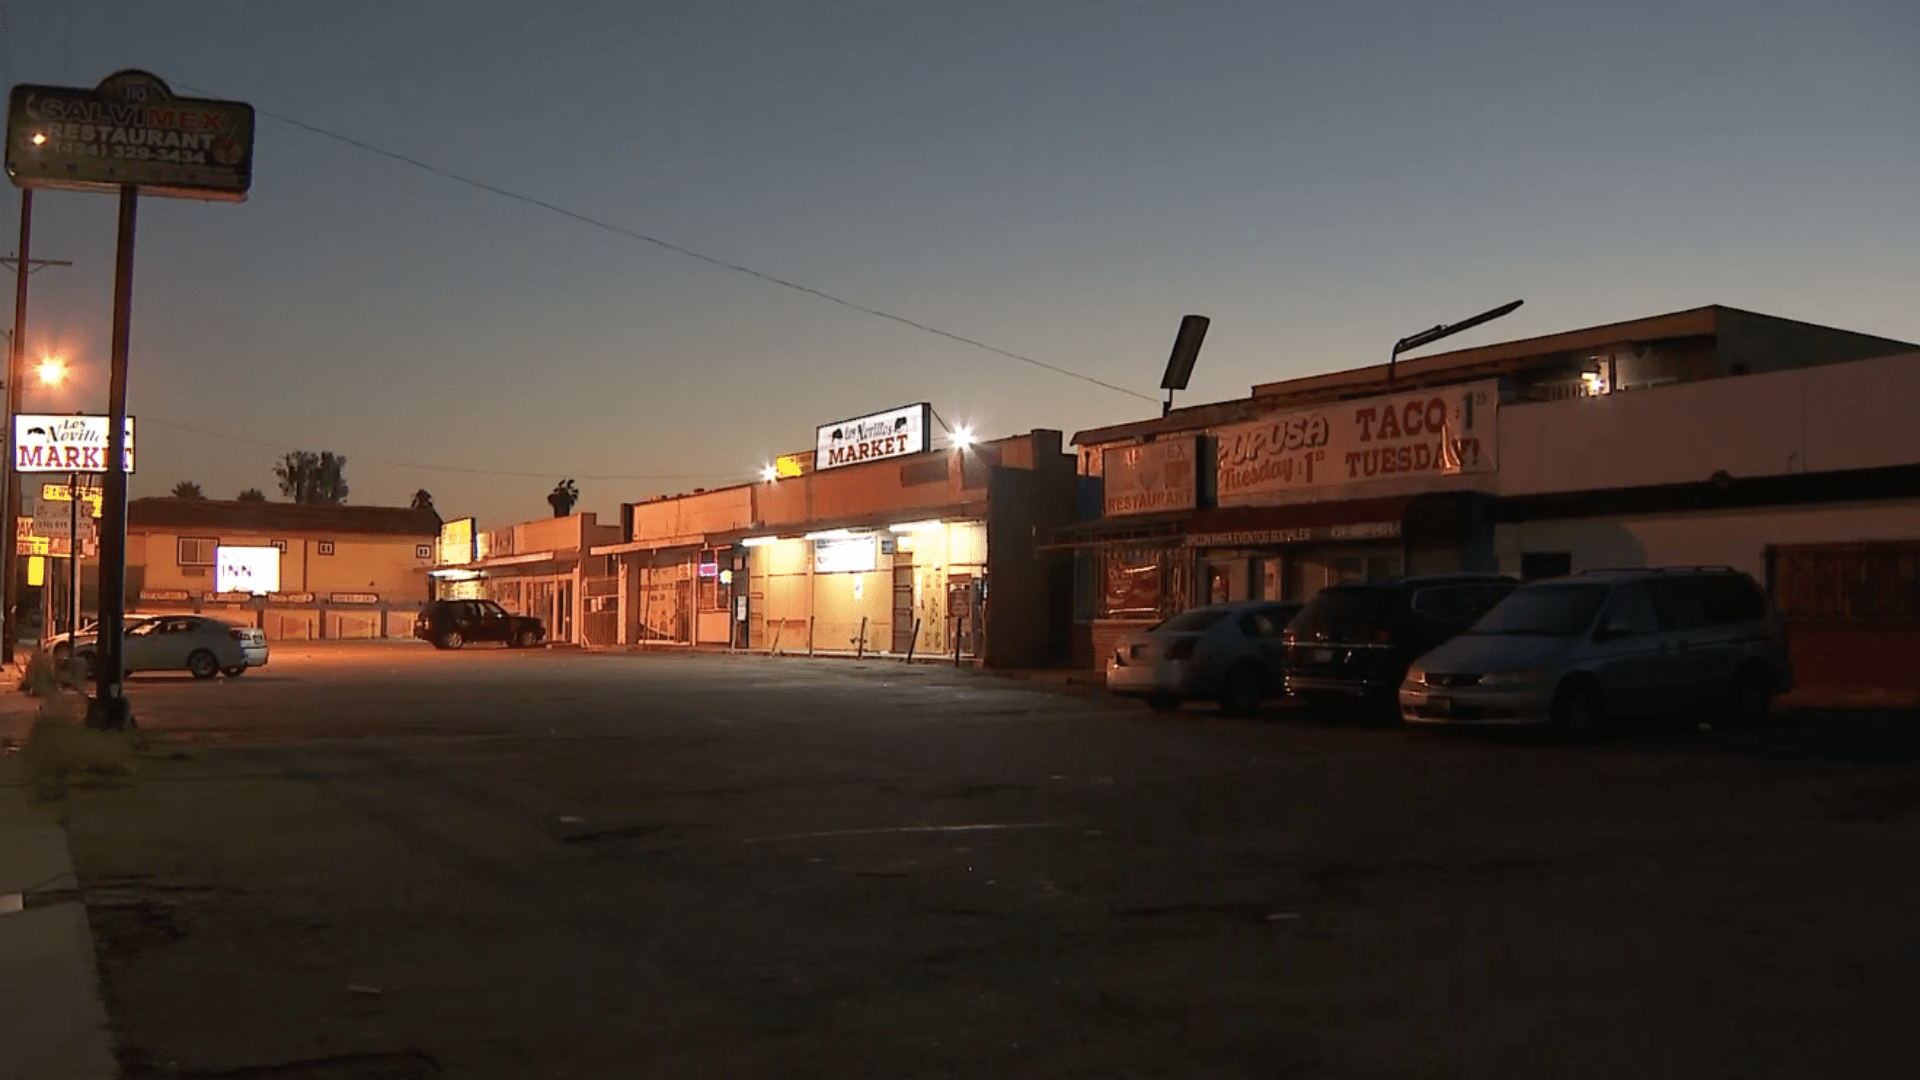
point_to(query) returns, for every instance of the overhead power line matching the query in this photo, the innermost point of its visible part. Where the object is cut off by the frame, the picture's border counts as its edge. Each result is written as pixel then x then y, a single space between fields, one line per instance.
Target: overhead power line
pixel 147 419
pixel 688 252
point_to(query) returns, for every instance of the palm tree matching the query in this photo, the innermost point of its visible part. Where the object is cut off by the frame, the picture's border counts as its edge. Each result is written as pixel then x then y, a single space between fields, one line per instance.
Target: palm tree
pixel 562 498
pixel 318 479
pixel 423 499
pixel 187 489
pixel 253 495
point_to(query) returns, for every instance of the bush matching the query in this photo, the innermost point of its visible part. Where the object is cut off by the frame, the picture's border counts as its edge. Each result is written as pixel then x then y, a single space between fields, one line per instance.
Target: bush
pixel 61 751
pixel 40 678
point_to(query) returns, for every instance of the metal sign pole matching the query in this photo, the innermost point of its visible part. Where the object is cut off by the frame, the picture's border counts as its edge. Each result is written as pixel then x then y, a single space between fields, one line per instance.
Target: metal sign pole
pixel 73 561
pixel 108 709
pixel 9 559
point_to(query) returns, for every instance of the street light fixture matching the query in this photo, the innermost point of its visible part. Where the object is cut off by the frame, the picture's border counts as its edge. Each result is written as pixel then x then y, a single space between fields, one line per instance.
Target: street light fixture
pixel 53 371
pixel 962 437
pixel 1428 337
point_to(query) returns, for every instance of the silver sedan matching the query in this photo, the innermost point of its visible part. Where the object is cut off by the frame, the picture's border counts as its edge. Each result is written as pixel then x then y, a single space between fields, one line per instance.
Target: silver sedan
pixel 195 644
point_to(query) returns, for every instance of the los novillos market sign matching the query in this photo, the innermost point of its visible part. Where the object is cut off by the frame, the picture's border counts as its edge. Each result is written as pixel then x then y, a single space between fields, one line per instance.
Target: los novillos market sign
pixel 894 433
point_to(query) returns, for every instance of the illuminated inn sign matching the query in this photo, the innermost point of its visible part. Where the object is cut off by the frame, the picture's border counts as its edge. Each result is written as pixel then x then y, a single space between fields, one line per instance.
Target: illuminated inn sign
pixel 894 433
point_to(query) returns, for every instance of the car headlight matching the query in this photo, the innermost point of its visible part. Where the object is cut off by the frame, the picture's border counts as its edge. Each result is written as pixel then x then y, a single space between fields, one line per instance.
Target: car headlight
pixel 1417 674
pixel 1513 678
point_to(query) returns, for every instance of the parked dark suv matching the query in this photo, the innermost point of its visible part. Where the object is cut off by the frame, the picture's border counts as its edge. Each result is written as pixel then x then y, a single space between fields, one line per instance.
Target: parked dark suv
pixel 449 624
pixel 1352 643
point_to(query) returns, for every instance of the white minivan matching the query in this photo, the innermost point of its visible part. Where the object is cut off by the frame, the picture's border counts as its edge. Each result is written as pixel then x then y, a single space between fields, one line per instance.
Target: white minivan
pixel 1579 652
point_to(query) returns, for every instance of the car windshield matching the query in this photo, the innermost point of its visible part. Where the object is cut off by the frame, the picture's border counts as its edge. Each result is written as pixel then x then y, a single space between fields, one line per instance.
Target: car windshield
pixel 1545 610
pixel 1193 621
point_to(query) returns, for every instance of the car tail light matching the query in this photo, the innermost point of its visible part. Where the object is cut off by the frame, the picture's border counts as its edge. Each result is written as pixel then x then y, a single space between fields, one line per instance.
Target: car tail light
pixel 238 635
pixel 1181 649
pixel 1379 635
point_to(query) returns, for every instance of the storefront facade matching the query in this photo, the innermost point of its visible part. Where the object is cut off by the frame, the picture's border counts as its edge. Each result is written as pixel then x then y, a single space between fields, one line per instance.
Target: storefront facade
pixel 541 568
pixel 922 553
pixel 1514 458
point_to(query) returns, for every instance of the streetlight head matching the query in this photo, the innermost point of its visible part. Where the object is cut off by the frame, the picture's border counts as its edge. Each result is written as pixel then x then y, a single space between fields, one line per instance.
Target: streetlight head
pixel 962 437
pixel 769 473
pixel 53 372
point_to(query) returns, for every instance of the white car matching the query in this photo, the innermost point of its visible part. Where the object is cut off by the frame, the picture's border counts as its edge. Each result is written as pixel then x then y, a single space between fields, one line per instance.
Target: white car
pixel 196 644
pixel 61 644
pixel 253 645
pixel 1229 653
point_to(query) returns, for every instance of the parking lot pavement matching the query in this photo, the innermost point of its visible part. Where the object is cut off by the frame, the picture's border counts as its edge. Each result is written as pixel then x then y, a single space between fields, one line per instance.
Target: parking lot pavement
pixel 495 863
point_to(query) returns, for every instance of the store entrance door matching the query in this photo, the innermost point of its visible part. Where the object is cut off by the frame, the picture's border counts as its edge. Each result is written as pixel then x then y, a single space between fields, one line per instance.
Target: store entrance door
pixel 903 627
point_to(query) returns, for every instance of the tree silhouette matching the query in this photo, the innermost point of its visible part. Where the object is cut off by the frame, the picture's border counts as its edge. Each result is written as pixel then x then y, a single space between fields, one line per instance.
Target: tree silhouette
pixel 253 495
pixel 423 499
pixel 318 479
pixel 187 489
pixel 562 498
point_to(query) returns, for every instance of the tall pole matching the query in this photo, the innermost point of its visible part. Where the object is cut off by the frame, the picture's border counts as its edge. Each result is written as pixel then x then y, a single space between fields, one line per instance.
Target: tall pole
pixel 73 561
pixel 9 556
pixel 109 708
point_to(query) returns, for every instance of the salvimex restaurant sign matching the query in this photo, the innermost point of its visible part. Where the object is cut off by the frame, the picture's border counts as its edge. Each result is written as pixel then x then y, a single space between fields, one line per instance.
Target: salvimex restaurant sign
pixel 130 129
pixel 894 433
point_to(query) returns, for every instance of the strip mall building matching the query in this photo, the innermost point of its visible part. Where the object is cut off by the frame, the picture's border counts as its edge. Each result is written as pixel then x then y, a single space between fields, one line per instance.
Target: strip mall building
pixel 1712 436
pixel 873 543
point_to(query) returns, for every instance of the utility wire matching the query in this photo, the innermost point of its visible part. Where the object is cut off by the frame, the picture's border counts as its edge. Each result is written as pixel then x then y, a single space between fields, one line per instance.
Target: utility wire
pixel 146 419
pixel 685 251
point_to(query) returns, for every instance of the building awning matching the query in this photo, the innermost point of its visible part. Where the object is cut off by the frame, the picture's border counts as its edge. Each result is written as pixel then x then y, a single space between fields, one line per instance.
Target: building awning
pixel 872 522
pixel 1131 529
pixel 1298 523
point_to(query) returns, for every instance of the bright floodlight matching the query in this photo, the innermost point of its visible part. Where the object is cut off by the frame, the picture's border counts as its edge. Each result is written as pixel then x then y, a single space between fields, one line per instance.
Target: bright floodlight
pixel 769 473
pixel 52 371
pixel 962 437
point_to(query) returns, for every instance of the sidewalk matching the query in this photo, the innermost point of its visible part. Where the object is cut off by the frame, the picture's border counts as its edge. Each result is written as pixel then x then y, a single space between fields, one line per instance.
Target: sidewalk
pixel 53 1025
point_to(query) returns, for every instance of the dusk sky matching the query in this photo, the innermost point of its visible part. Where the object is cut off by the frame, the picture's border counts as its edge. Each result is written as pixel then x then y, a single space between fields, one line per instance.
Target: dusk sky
pixel 1063 180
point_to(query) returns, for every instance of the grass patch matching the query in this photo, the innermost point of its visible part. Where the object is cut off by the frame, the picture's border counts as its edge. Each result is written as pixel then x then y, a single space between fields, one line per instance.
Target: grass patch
pixel 62 752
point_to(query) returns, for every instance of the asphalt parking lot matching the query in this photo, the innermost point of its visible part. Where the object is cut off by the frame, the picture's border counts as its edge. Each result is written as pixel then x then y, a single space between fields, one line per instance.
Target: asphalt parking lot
pixel 397 862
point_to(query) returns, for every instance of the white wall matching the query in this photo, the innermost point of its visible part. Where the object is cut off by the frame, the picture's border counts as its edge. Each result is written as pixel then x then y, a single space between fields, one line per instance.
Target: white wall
pixel 1839 416
pixel 1736 538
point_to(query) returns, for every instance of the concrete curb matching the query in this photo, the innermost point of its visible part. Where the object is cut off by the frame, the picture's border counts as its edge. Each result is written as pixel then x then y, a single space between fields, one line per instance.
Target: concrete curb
pixel 53 1023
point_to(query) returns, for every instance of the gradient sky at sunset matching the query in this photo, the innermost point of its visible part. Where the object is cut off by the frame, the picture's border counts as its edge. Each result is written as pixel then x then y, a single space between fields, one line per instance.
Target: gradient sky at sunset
pixel 1060 179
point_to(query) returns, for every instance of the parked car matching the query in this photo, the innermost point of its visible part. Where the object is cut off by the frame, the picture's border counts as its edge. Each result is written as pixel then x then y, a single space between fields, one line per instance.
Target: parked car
pixel 450 624
pixel 61 644
pixel 1229 653
pixel 193 643
pixel 1580 651
pixel 1351 644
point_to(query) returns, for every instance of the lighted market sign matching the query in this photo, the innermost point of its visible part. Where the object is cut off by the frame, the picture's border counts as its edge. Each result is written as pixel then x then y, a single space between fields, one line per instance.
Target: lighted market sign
pixel 894 433
pixel 64 443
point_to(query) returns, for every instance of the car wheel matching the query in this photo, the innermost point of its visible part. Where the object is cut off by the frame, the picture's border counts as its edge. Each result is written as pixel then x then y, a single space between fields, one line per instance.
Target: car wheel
pixel 203 664
pixel 1750 698
pixel 1163 702
pixel 235 671
pixel 524 639
pixel 1578 712
pixel 1242 691
pixel 452 640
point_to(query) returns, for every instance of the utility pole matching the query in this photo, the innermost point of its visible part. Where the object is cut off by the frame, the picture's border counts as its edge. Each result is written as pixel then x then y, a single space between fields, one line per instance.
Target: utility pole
pixel 23 267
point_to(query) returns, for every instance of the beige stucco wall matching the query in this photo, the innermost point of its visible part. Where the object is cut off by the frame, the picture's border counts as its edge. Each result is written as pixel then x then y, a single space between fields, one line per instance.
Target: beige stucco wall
pixel 1839 416
pixel 387 565
pixel 1736 538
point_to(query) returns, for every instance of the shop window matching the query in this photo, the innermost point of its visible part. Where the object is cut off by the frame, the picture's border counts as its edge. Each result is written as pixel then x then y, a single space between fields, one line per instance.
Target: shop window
pixel 324 547
pixel 1535 565
pixel 197 550
pixel 1133 586
pixel 281 544
pixel 712 596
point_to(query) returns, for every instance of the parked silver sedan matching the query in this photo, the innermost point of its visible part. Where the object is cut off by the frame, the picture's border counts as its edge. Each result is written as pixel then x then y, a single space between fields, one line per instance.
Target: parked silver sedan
pixel 195 644
pixel 1229 653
